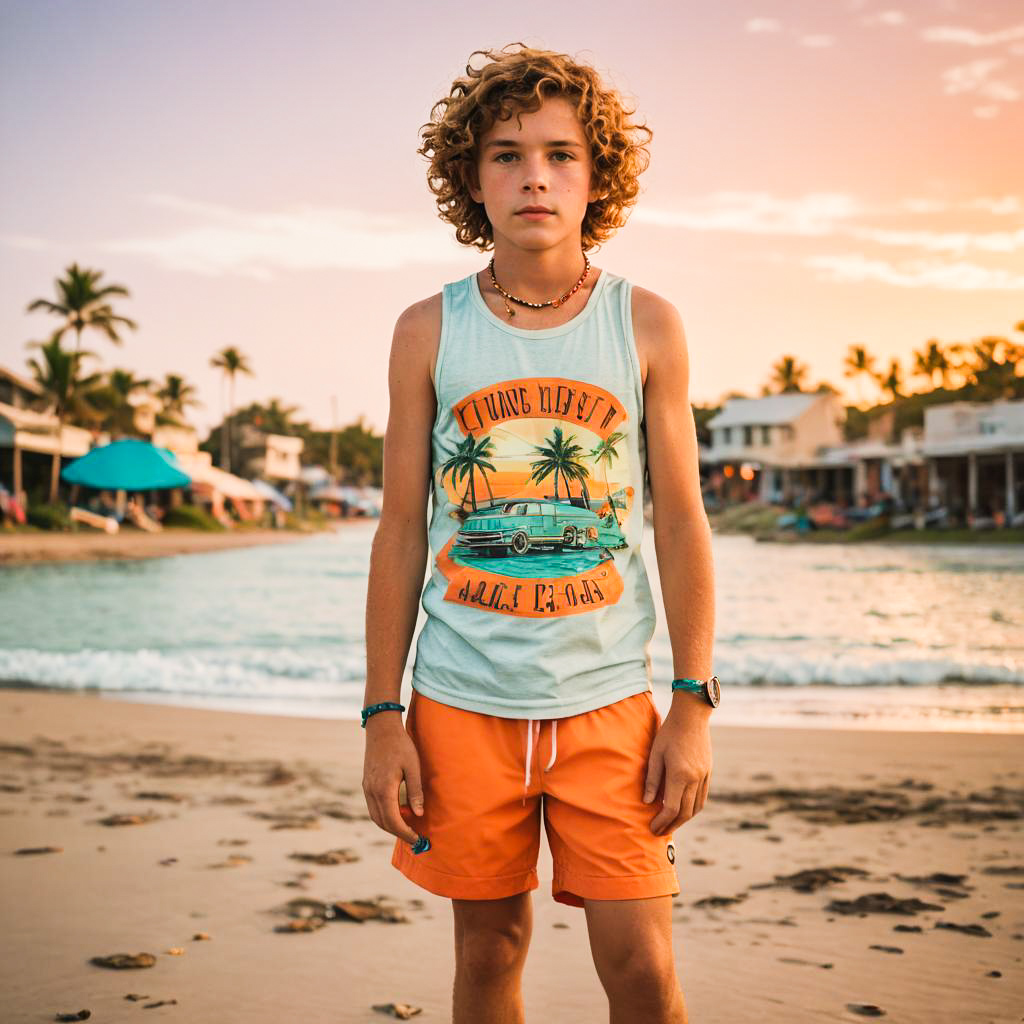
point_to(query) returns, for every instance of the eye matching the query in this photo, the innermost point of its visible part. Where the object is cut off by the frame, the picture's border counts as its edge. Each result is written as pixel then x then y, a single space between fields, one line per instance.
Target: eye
pixel 560 152
pixel 498 158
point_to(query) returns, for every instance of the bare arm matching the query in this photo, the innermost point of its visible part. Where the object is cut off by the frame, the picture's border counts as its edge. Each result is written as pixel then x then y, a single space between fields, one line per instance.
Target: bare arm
pixel 681 754
pixel 397 560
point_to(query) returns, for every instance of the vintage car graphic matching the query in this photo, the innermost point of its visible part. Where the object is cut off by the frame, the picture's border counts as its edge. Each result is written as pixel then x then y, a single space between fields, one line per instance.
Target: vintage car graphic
pixel 519 527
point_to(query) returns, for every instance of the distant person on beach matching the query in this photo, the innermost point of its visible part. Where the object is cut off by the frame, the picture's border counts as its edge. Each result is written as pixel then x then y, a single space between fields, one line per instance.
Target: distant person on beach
pixel 526 399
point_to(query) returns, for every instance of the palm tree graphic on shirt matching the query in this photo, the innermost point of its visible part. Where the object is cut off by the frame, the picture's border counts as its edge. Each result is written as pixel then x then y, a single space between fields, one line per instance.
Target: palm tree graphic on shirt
pixel 604 454
pixel 470 457
pixel 561 457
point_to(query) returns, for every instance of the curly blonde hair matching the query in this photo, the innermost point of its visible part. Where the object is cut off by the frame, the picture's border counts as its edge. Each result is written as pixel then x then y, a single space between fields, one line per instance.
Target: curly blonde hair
pixel 518 81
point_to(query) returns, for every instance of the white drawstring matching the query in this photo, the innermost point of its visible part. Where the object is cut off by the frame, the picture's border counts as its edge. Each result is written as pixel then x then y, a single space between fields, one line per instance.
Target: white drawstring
pixel 529 751
pixel 529 748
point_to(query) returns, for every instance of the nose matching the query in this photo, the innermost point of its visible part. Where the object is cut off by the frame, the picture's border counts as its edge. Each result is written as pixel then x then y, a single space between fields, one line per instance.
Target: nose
pixel 534 175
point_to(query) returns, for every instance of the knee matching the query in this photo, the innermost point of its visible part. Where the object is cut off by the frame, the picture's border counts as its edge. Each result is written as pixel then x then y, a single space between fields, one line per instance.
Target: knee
pixel 644 971
pixel 493 949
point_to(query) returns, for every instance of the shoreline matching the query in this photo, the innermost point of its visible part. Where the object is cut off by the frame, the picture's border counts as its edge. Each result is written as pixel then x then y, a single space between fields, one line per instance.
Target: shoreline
pixel 212 807
pixel 960 707
pixel 30 548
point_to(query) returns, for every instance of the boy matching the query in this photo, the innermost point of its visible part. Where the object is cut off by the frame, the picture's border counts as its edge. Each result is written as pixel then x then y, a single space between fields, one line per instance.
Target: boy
pixel 533 398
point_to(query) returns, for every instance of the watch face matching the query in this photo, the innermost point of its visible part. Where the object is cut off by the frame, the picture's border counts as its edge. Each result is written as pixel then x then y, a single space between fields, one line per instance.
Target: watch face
pixel 714 691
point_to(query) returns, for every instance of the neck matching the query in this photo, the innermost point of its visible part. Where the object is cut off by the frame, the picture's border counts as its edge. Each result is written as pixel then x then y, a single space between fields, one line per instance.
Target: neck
pixel 538 274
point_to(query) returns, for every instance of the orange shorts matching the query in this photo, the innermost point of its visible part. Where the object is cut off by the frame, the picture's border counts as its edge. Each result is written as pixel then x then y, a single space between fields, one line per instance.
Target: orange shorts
pixel 486 778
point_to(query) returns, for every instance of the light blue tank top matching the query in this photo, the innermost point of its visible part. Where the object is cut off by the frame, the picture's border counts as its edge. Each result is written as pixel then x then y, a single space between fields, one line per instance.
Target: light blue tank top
pixel 538 602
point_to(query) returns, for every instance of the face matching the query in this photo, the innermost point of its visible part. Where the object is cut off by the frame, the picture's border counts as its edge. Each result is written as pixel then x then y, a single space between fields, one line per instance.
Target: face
pixel 541 162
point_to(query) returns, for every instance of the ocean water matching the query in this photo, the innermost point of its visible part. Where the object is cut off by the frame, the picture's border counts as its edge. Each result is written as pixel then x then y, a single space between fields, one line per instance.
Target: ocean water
pixel 918 637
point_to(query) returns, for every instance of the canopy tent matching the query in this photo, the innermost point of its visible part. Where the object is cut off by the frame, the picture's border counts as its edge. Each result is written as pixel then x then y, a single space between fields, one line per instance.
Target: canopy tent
pixel 314 476
pixel 207 478
pixel 329 494
pixel 272 494
pixel 127 465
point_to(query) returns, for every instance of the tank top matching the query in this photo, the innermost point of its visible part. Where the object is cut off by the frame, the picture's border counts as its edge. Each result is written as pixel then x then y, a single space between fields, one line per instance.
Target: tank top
pixel 537 602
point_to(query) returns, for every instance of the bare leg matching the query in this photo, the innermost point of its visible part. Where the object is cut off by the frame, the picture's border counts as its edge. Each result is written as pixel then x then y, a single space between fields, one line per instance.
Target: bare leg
pixel 631 941
pixel 491 940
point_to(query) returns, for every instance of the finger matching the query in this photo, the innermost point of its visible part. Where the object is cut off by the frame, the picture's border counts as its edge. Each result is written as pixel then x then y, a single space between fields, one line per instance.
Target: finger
pixel 702 798
pixel 394 823
pixel 414 786
pixel 669 807
pixel 655 767
pixel 689 805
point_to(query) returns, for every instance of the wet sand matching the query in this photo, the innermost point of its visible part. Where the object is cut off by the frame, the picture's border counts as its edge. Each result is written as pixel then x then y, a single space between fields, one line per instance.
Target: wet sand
pixel 830 870
pixel 17 548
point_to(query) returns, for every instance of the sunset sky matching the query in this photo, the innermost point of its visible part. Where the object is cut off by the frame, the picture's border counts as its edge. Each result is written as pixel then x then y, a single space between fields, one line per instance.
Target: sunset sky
pixel 824 173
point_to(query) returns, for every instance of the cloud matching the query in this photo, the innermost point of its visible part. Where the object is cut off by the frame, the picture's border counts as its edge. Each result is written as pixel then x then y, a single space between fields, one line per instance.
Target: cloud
pixel 28 242
pixel 853 268
pixel 944 241
pixel 763 25
pixel 817 41
pixel 756 213
pixel 998 206
pixel 820 215
pixel 259 244
pixel 891 18
pixel 976 77
pixel 971 37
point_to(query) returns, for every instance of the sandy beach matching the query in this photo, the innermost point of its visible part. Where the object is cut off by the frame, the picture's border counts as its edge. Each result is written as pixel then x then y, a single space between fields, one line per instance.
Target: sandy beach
pixel 170 823
pixel 22 548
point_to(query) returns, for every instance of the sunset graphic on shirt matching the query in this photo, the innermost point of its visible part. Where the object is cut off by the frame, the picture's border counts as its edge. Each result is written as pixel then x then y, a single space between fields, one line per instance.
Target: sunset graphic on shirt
pixel 540 494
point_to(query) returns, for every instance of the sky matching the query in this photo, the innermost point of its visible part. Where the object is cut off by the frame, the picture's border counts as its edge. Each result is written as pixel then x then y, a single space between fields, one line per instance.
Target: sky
pixel 823 173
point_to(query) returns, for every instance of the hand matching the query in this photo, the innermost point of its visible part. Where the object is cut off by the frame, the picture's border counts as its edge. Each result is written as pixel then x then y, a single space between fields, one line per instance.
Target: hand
pixel 391 756
pixel 681 758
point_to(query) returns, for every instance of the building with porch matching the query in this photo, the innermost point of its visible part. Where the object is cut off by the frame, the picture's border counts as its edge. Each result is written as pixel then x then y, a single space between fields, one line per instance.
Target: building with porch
pixel 974 454
pixel 773 448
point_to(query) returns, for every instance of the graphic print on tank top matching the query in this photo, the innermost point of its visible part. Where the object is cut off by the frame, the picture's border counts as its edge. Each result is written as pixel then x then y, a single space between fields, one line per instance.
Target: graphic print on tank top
pixel 540 492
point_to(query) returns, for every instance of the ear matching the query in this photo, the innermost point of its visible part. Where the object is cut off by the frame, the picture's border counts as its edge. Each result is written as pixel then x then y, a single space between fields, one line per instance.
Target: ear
pixel 596 193
pixel 472 179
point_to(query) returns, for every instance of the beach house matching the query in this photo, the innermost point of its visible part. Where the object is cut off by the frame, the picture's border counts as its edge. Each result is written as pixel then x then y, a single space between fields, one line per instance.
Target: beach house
pixel 974 453
pixel 28 434
pixel 274 457
pixel 774 448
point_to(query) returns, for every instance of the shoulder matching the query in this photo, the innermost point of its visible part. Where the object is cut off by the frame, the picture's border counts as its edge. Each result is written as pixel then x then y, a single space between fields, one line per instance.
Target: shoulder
pixel 420 318
pixel 417 333
pixel 658 329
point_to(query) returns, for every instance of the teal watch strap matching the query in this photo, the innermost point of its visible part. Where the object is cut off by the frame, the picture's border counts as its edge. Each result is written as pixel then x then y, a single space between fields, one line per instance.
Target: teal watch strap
pixel 694 685
pixel 709 689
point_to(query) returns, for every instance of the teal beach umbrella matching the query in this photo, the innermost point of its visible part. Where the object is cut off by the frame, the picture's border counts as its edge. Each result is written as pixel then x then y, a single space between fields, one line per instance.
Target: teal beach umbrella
pixel 127 466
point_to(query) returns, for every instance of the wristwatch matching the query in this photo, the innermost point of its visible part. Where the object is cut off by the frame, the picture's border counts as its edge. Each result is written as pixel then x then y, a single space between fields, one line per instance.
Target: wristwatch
pixel 710 689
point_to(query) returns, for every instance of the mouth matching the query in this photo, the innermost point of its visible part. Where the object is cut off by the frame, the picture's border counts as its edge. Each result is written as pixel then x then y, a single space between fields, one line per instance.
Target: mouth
pixel 527 211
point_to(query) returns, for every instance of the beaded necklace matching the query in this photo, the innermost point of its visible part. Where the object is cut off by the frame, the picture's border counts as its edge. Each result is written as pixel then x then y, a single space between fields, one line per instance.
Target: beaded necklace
pixel 554 303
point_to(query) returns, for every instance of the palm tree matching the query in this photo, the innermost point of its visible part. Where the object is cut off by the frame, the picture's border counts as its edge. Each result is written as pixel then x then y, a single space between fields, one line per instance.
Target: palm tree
pixel 788 374
pixel 992 368
pixel 274 417
pixel 57 374
pixel 176 394
pixel 470 457
pixel 113 399
pixel 561 457
pixel 892 379
pixel 82 304
pixel 859 364
pixel 232 362
pixel 932 360
pixel 603 455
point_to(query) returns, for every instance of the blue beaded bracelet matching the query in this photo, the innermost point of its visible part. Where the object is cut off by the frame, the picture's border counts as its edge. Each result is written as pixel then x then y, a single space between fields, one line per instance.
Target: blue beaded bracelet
pixel 387 705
